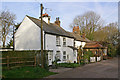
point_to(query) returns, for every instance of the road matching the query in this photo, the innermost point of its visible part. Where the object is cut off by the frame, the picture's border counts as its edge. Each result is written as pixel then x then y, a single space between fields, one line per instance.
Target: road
pixel 104 69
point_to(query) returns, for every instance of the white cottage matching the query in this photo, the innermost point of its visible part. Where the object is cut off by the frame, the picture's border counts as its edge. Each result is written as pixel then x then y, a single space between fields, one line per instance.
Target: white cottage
pixel 55 38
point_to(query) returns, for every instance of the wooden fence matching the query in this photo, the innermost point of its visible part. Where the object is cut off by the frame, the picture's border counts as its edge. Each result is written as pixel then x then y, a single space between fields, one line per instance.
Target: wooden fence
pixel 18 62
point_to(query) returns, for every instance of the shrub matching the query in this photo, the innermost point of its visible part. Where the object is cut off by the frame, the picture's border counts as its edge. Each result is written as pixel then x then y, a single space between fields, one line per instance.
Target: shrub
pixel 112 51
pixel 68 65
pixel 87 55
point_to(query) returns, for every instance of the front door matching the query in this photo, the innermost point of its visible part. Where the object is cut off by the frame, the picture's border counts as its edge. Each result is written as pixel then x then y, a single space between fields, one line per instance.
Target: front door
pixel 50 57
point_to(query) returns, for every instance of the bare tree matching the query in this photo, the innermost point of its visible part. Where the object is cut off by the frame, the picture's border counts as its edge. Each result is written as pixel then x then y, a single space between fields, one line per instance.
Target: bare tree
pixel 108 33
pixel 7 20
pixel 89 22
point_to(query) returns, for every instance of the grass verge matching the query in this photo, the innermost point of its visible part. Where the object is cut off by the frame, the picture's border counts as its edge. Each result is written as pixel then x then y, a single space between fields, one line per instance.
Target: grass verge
pixel 26 72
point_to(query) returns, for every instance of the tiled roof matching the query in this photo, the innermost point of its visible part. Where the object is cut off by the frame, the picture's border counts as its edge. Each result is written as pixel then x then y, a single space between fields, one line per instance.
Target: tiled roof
pixel 78 37
pixel 51 28
pixel 93 45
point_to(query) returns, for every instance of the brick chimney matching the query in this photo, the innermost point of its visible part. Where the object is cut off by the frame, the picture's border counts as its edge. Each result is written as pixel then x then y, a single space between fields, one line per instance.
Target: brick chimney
pixel 57 22
pixel 46 18
pixel 76 29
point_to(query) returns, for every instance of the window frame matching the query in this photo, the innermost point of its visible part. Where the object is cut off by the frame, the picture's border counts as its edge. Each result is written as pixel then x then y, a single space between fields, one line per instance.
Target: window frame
pixel 64 55
pixel 57 40
pixel 58 55
pixel 64 41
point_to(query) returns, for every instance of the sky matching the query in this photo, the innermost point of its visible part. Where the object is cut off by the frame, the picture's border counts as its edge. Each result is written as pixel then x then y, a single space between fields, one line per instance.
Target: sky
pixel 66 11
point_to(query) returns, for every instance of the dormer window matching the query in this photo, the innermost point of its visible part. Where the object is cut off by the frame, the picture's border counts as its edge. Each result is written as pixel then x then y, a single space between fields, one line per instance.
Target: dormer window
pixel 57 40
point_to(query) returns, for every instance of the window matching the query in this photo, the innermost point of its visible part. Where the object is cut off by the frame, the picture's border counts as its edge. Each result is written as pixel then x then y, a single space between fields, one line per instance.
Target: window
pixel 64 55
pixel 57 55
pixel 64 41
pixel 57 41
pixel 68 57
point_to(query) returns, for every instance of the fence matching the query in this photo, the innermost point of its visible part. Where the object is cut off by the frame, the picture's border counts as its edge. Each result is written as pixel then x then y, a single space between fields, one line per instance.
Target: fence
pixel 10 63
pixel 12 59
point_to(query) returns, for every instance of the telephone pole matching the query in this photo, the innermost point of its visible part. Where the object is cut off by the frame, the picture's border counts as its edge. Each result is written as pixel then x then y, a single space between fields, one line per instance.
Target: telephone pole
pixel 13 38
pixel 42 55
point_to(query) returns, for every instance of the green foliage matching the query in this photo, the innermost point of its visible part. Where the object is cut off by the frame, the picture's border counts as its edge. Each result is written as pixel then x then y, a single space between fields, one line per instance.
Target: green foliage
pixel 111 50
pixel 87 55
pixel 68 65
pixel 27 72
pixel 82 61
pixel 118 49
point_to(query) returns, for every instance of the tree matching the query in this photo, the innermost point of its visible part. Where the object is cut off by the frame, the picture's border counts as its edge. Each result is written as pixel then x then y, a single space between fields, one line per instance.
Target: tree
pixel 79 55
pixel 7 21
pixel 10 44
pixel 108 34
pixel 17 26
pixel 89 22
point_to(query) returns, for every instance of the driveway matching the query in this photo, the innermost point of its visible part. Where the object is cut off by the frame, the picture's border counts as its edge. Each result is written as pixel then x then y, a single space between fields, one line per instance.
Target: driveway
pixel 104 69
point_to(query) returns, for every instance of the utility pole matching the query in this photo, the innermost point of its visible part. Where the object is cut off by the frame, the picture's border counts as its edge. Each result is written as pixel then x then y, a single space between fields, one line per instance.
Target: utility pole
pixel 13 38
pixel 42 55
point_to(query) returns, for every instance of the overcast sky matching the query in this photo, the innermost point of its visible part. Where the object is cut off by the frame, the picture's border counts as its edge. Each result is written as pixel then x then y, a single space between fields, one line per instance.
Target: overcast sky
pixel 66 11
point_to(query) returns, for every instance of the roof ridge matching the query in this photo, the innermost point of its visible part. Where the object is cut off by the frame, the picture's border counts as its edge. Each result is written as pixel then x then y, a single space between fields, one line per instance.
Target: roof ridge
pixel 50 28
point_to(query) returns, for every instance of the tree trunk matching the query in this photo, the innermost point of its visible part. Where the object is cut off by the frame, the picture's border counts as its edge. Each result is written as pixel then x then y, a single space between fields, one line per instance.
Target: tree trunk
pixel 4 43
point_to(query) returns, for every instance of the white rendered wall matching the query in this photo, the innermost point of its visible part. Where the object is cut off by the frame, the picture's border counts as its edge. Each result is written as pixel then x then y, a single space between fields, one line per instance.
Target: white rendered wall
pixel 79 43
pixel 50 42
pixel 45 19
pixel 28 36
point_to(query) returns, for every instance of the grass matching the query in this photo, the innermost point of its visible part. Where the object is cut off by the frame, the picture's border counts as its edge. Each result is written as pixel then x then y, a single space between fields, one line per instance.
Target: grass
pixel 26 72
pixel 68 65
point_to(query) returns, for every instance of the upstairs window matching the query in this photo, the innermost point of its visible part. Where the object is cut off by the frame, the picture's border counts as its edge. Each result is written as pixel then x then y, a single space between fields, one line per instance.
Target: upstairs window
pixel 64 41
pixel 57 41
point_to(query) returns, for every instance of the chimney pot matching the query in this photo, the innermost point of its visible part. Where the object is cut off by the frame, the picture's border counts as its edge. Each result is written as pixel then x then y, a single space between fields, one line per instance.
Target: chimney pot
pixel 76 29
pixel 57 22
pixel 46 18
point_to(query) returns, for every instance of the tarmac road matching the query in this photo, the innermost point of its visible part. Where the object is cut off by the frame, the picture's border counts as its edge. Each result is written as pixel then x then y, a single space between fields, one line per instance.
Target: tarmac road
pixel 104 69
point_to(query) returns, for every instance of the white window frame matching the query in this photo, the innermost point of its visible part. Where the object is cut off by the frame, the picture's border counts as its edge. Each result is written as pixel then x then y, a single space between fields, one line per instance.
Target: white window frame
pixel 58 55
pixel 64 41
pixel 57 40
pixel 64 55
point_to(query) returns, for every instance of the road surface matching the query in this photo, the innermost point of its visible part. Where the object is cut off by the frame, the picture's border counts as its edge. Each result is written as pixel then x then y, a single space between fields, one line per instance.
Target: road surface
pixel 104 69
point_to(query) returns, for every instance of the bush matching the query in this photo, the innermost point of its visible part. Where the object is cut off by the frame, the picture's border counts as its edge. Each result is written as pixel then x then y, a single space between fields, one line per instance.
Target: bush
pixel 68 65
pixel 87 56
pixel 118 49
pixel 82 62
pixel 112 51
